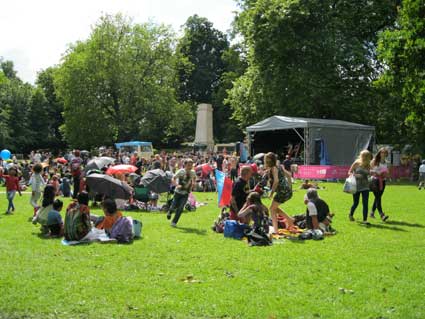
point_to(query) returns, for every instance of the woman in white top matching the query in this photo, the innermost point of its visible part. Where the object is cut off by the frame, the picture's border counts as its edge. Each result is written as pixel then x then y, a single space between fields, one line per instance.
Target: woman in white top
pixel 379 172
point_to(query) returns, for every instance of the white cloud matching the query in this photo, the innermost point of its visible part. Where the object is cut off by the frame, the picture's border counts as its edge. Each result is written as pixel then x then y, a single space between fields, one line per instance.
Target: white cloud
pixel 34 34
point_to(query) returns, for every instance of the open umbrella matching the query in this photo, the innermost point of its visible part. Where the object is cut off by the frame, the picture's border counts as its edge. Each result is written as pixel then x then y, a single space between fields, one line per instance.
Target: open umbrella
pixel 108 186
pixel 98 163
pixel 258 156
pixel 121 169
pixel 157 180
pixel 205 168
pixel 62 160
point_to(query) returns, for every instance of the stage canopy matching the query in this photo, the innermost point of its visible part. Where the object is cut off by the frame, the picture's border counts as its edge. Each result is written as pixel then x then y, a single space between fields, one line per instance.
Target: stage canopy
pixel 319 141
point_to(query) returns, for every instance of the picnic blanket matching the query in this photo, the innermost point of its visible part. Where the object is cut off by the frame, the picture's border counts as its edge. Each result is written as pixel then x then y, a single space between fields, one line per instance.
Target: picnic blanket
pixel 94 235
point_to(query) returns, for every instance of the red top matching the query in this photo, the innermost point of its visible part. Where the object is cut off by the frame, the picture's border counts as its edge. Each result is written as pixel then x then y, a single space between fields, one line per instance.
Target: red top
pixel 12 182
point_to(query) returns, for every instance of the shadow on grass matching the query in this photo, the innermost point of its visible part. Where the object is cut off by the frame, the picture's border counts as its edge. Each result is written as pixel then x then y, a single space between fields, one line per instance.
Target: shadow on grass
pixel 384 226
pixel 43 236
pixel 400 223
pixel 188 230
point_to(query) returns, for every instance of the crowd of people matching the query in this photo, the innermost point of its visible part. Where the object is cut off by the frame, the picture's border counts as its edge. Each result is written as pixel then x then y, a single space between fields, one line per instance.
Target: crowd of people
pixel 49 177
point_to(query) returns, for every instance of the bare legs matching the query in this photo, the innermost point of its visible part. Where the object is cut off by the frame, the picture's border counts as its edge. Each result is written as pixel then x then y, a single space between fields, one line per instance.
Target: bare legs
pixel 275 212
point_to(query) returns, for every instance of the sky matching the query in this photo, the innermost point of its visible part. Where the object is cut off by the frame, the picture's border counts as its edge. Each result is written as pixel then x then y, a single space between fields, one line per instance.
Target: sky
pixel 34 34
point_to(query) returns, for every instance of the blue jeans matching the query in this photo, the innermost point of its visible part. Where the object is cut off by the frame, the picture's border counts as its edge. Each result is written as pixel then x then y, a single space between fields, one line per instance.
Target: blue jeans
pixel 365 202
pixel 10 196
pixel 177 206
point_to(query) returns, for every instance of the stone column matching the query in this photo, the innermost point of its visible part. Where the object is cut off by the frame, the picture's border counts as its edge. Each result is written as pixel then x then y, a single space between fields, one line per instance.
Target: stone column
pixel 204 126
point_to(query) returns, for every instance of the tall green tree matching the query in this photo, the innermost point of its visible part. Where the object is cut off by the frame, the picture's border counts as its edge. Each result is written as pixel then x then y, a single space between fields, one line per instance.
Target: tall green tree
pixel 313 58
pixel 15 104
pixel 120 85
pixel 402 51
pixel 4 111
pixel 202 47
pixel 208 65
pixel 53 119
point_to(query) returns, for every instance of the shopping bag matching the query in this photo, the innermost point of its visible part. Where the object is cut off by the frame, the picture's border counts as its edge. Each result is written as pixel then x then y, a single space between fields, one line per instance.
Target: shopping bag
pixel 350 185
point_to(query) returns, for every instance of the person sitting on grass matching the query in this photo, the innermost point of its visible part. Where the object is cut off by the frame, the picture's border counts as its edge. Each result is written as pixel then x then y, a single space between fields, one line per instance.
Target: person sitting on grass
pixel 307 185
pixel 77 219
pixel 107 221
pixel 12 186
pixel 65 186
pixel 254 212
pixel 318 215
pixel 240 192
pixel 54 220
pixel 122 227
pixel 46 206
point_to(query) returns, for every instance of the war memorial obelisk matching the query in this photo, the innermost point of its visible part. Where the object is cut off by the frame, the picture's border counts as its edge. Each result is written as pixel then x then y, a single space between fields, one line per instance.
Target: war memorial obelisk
pixel 204 126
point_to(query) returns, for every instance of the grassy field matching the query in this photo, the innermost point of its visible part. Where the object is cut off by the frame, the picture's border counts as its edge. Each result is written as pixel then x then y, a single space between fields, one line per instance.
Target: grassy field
pixel 374 272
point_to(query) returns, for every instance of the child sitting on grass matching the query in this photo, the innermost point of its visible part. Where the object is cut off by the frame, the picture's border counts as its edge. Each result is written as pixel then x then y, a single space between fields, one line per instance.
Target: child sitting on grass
pixel 46 206
pixel 121 227
pixel 54 220
pixel 12 186
pixel 77 219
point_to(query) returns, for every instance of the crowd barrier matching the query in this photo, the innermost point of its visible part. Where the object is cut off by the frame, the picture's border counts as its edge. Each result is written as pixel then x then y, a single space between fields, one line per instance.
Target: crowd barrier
pixel 340 172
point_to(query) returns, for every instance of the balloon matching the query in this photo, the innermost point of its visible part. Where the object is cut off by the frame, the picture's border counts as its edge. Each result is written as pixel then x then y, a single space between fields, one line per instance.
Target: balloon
pixel 5 155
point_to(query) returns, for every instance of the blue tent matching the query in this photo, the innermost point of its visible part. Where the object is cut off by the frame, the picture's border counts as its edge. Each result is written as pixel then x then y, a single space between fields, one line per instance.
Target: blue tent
pixel 132 144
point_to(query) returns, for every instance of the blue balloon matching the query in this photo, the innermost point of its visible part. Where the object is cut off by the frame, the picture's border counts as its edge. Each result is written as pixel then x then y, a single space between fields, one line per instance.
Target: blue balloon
pixel 5 155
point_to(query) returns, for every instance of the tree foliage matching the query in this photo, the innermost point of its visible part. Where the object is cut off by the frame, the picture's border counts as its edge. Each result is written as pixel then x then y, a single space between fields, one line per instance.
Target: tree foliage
pixel 120 85
pixel 402 51
pixel 313 58
pixel 208 65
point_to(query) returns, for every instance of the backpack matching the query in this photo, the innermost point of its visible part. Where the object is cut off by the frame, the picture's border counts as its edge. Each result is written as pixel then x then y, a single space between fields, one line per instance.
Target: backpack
pixel 233 229
pixel 77 222
pixel 218 225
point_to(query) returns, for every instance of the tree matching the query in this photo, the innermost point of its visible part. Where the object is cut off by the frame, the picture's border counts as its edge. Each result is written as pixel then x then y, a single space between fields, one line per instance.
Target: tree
pixel 207 68
pixel 310 58
pixel 120 85
pixel 402 50
pixel 54 109
pixel 4 110
pixel 202 47
pixel 226 128
pixel 15 103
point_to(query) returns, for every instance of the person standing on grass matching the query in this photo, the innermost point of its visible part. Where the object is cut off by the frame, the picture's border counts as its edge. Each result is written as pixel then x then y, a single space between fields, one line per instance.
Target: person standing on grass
pixel 422 175
pixel 37 183
pixel 281 189
pixel 361 170
pixel 186 180
pixel 76 172
pixel 233 163
pixel 12 186
pixel 379 171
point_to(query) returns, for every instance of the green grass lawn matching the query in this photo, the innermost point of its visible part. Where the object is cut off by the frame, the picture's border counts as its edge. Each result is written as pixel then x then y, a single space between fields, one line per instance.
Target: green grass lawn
pixel 383 265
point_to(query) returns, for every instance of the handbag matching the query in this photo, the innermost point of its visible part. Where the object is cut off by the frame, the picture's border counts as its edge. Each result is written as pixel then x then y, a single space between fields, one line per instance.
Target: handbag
pixel 374 184
pixel 350 185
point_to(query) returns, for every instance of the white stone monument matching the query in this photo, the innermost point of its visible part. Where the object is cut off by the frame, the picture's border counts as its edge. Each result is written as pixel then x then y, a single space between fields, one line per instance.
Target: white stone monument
pixel 204 126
